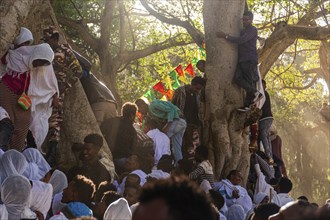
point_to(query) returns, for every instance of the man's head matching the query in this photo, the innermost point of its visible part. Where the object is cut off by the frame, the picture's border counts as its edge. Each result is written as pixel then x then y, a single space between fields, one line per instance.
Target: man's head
pixel 107 198
pixel 298 210
pixel 175 198
pixel 131 193
pixel 247 19
pixel 235 177
pixel 132 163
pixel 91 148
pixel 80 189
pixel 201 153
pixel 51 36
pixel 284 185
pixel 197 84
pixel 129 111
pixel 165 163
pixel 142 106
pixel 201 65
pixel 263 211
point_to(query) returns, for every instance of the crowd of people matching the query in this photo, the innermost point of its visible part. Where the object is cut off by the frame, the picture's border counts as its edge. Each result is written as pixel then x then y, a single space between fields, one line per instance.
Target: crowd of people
pixel 161 165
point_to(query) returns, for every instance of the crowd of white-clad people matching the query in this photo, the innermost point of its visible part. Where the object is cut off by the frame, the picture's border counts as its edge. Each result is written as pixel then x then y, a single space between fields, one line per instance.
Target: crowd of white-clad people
pixel 162 170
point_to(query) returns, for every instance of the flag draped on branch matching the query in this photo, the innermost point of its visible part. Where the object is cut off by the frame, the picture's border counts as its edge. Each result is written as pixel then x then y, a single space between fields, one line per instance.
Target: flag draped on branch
pixel 172 81
pixel 190 70
pixel 159 87
pixel 178 69
pixel 174 77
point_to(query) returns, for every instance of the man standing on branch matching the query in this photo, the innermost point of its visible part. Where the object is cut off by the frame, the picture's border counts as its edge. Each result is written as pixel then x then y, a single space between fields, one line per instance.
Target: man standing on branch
pixel 246 74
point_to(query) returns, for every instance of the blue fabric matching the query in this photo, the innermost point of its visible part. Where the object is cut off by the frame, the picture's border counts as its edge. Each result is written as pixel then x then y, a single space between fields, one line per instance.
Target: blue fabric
pixel 79 209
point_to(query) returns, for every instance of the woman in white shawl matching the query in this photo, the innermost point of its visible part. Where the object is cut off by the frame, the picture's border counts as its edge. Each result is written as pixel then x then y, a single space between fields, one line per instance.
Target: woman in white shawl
pixel 12 162
pixel 16 80
pixel 37 165
pixel 15 194
pixel 57 179
pixel 118 210
pixel 41 197
pixel 43 92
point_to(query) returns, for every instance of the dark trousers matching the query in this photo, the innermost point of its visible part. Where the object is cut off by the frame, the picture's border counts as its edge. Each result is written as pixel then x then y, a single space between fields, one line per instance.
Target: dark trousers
pixel 246 76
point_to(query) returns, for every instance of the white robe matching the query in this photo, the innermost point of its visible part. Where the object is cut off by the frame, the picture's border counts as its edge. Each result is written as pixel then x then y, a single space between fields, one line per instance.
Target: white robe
pixel 226 188
pixel 262 186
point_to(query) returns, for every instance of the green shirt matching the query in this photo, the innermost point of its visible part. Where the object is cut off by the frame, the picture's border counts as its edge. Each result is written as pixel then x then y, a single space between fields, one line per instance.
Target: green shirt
pixel 164 110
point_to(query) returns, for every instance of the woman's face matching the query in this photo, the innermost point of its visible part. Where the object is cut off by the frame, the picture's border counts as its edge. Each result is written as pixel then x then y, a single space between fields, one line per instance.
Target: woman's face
pixel 40 62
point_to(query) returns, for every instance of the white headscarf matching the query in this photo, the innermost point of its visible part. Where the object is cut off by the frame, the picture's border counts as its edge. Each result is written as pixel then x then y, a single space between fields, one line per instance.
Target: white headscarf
pixel 41 196
pixel 34 157
pixel 32 171
pixel 15 194
pixel 58 181
pixel 118 210
pixel 12 162
pixel 235 212
pixel 24 35
pixel 42 51
pixel 43 86
pixel 259 197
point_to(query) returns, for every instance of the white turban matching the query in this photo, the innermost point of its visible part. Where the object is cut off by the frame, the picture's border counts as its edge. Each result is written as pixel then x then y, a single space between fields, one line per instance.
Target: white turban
pixel 13 162
pixel 33 156
pixel 58 181
pixel 118 210
pixel 24 35
pixel 15 194
pixel 41 197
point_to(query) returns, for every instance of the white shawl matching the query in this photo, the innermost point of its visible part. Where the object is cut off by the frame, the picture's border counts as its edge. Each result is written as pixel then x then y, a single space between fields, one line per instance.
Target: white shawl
pixel 41 197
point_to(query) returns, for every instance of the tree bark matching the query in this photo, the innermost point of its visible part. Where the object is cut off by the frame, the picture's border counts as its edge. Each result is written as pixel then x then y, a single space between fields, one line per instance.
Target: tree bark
pixel 227 141
pixel 79 119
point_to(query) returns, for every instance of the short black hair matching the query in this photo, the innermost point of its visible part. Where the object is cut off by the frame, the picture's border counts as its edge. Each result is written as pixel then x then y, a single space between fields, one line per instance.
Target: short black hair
pixel 85 188
pixel 94 139
pixel 198 80
pixel 303 198
pixel 184 198
pixel 249 14
pixel 110 196
pixel 285 185
pixel 203 151
pixel 233 172
pixel 263 211
pixel 103 187
pixel 165 163
pixel 129 109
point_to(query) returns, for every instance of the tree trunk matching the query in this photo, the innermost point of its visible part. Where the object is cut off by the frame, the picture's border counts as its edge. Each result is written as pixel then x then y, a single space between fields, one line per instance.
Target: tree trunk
pixel 226 139
pixel 79 119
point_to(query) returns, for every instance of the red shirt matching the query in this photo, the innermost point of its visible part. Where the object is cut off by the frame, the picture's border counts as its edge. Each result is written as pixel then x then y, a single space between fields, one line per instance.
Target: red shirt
pixel 16 81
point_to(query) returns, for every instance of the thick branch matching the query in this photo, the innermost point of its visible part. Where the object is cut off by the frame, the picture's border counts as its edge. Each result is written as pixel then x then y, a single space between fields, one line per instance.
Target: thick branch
pixel 311 83
pixel 106 24
pixel 81 29
pixel 129 56
pixel 281 39
pixel 122 33
pixel 196 34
